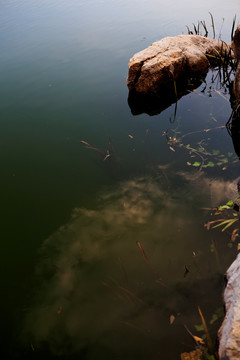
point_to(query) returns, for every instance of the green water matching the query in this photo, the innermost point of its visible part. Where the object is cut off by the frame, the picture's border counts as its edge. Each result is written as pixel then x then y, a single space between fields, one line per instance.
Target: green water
pixel 74 281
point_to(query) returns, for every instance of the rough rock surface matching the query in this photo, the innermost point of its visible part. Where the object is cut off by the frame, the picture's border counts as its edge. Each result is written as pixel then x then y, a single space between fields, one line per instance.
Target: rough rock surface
pixel 193 355
pixel 229 333
pixel 236 49
pixel 172 58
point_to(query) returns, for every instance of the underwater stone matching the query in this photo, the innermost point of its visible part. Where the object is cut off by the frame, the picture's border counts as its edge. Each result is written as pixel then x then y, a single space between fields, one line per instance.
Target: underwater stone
pixel 171 58
pixel 229 333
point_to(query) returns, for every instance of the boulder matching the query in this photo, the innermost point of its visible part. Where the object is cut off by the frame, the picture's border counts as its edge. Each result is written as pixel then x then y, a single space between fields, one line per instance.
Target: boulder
pixel 236 43
pixel 229 333
pixel 236 50
pixel 170 59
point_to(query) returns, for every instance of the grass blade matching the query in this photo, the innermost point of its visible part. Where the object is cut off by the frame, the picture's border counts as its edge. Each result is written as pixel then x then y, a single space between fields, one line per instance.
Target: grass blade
pixel 229 224
pixel 233 27
pixel 212 24
pixel 225 222
pixel 209 340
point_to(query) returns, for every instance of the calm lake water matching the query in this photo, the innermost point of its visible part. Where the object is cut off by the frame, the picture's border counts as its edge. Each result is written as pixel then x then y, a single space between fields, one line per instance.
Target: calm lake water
pixel 94 251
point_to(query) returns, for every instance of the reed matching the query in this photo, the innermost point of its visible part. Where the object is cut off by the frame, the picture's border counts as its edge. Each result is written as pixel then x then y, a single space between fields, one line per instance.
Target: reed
pixel 223 60
pixel 201 28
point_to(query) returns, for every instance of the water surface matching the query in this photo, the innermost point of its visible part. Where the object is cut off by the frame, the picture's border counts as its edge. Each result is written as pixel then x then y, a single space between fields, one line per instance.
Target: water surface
pixel 74 279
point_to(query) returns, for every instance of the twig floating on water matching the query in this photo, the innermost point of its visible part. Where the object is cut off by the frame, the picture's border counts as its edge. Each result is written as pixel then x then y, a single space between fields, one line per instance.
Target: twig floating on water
pixel 59 310
pixel 159 280
pixel 204 130
pixel 171 319
pixel 219 93
pixel 186 270
pixel 90 146
pixel 113 290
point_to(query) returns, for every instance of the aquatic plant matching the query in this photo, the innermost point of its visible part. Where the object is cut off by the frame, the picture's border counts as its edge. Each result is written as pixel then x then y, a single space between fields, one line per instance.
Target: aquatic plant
pixel 199 156
pixel 229 216
pixel 201 26
pixel 202 29
pixel 224 60
pixel 204 347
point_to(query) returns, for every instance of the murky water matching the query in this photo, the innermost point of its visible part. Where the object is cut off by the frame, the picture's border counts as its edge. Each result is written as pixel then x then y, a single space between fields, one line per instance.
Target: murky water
pixel 94 252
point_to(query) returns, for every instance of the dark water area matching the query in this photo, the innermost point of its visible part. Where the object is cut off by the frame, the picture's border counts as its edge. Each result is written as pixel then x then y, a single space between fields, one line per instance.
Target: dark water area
pixel 95 247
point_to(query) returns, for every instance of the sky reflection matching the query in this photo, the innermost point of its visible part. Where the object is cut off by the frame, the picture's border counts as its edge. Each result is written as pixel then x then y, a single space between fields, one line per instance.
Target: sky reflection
pixel 93 278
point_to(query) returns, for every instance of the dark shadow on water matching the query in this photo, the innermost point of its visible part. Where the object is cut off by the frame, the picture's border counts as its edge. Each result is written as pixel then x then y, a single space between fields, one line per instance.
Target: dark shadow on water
pixel 233 123
pixel 233 127
pixel 153 104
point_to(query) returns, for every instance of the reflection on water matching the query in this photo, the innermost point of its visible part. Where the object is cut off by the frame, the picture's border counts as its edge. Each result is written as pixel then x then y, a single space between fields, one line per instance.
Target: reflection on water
pixel 96 290
pixel 234 130
pixel 63 79
pixel 154 104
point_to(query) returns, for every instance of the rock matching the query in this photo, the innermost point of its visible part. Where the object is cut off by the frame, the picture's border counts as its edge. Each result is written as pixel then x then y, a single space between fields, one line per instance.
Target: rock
pixel 234 130
pixel 236 43
pixel 193 355
pixel 171 59
pixel 236 50
pixel 229 333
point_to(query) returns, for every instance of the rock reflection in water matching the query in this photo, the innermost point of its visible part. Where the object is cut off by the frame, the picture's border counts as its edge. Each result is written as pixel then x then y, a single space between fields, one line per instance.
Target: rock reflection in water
pixel 153 104
pixel 74 313
pixel 234 130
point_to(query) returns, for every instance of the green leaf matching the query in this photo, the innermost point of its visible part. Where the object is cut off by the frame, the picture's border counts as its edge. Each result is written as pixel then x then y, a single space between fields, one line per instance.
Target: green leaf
pixel 211 357
pixel 224 207
pixel 199 327
pixel 217 315
pixel 228 223
pixel 209 164
pixel 230 203
pixel 230 154
pixel 221 224
pixel 196 163
pixel 214 318
pixel 216 152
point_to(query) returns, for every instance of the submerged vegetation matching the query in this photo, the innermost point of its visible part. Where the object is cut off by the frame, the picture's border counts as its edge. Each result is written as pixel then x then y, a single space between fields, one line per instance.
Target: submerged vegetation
pixel 199 156
pixel 228 218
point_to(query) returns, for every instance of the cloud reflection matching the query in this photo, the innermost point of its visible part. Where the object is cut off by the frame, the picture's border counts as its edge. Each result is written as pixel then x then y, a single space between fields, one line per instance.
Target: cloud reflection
pixel 72 308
